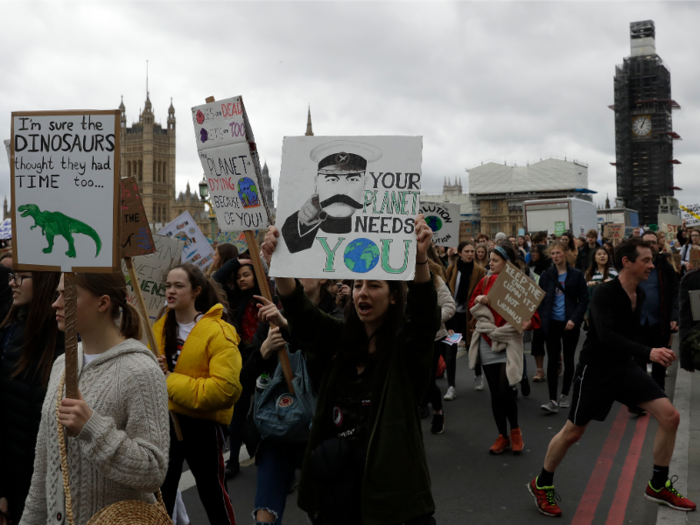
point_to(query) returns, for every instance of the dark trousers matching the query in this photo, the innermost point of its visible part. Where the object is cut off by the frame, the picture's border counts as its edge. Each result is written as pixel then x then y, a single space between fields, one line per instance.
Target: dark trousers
pixel 433 395
pixel 503 405
pixel 203 449
pixel 458 324
pixel 238 422
pixel 653 336
pixel 555 336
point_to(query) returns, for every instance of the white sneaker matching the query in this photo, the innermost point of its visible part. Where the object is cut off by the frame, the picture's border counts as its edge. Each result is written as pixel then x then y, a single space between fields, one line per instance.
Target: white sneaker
pixel 649 368
pixel 450 394
pixel 550 406
pixel 564 401
pixel 479 383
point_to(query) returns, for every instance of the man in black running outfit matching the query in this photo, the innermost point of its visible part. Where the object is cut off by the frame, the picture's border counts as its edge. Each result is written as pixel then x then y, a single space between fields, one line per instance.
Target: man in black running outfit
pixel 607 372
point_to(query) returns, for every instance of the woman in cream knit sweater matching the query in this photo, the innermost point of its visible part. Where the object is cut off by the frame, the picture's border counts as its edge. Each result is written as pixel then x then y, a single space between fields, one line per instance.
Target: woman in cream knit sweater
pixel 117 433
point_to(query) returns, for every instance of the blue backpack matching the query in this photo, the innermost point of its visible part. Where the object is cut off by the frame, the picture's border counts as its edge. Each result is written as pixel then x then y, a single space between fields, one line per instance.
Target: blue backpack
pixel 281 416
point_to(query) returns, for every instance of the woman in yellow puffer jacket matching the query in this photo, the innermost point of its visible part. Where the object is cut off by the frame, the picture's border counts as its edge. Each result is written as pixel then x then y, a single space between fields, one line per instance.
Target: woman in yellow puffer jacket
pixel 202 364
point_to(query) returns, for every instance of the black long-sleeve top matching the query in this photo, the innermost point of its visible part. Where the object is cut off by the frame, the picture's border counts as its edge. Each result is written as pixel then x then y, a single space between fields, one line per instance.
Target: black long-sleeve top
pixel 614 335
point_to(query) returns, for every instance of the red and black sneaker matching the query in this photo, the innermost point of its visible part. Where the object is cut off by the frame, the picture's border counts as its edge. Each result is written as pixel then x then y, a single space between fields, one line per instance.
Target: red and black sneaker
pixel 667 495
pixel 546 499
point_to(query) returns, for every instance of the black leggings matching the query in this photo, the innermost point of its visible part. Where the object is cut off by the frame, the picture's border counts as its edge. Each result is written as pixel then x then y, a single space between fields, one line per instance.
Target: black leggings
pixel 503 405
pixel 458 324
pixel 554 338
pixel 433 395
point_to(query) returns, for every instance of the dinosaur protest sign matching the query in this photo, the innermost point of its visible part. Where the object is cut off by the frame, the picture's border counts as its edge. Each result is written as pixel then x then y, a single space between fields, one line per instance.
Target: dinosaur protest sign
pixel 443 219
pixel 515 296
pixel 347 206
pixel 65 190
pixel 136 238
pixel 197 249
pixel 227 151
pixel 152 271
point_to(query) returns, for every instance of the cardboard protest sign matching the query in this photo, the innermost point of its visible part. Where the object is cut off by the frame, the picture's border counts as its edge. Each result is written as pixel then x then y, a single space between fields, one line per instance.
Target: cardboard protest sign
pixel 231 167
pixel 347 207
pixel 515 296
pixel 677 259
pixel 614 231
pixel 197 249
pixel 6 230
pixel 690 213
pixel 694 258
pixel 669 229
pixel 152 271
pixel 443 219
pixel 65 190
pixel 465 231
pixel 136 238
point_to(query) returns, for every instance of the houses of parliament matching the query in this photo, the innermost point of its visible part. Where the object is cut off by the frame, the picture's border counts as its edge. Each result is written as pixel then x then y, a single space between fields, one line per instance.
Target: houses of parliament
pixel 148 154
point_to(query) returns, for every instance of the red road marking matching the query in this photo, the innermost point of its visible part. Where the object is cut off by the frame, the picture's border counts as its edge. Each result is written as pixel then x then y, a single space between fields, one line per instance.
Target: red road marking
pixel 624 485
pixel 596 484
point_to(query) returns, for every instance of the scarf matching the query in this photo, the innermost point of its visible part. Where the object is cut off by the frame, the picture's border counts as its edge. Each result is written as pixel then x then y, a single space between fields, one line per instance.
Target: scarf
pixel 465 269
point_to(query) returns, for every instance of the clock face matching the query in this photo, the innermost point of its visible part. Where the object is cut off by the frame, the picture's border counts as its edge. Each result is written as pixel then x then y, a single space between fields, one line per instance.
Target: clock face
pixel 641 126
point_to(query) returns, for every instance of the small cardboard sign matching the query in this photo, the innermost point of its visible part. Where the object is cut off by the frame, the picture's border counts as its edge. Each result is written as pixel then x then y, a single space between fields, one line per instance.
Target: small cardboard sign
pixel 515 296
pixel 197 249
pixel 227 152
pixel 6 230
pixel 136 238
pixel 559 228
pixel 690 213
pixel 669 229
pixel 694 258
pixel 465 231
pixel 443 219
pixel 152 271
pixel 677 259
pixel 614 231
pixel 65 190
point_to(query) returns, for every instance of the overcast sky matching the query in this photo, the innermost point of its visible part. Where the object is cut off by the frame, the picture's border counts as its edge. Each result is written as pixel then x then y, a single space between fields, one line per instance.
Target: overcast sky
pixel 511 82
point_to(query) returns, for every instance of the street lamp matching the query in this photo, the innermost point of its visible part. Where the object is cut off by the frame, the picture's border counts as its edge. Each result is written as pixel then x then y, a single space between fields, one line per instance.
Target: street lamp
pixel 203 195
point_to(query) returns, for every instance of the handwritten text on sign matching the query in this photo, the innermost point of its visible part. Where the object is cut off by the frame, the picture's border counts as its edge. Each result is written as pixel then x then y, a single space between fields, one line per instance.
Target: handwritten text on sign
pixel 63 170
pixel 136 233
pixel 515 296
pixel 443 219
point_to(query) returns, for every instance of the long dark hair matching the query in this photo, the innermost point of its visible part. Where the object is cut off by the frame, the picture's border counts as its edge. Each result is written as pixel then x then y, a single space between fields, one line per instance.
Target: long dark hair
pixel 211 295
pixel 571 245
pixel 354 342
pixel 507 246
pixel 114 286
pixel 226 251
pixel 543 262
pixel 41 331
pixel 594 265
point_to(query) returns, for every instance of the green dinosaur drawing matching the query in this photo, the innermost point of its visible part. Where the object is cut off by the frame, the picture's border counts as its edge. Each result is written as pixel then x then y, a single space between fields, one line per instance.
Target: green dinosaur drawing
pixel 53 223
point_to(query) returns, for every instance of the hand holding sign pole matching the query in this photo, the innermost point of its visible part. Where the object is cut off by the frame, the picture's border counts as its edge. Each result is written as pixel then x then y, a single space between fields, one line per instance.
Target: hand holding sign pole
pixel 232 170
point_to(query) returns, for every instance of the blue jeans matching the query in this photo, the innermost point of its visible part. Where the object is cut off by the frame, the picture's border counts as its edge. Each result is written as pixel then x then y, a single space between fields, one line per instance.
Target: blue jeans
pixel 276 463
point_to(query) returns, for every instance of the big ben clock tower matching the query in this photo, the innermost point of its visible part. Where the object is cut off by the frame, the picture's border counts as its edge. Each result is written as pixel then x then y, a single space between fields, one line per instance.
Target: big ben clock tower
pixel 643 132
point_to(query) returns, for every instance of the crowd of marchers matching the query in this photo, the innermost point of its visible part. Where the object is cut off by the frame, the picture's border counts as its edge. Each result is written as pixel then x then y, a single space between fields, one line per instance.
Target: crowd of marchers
pixel 365 356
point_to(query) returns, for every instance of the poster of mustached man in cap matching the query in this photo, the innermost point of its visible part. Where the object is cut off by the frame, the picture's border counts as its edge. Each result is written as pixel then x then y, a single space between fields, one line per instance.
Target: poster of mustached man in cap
pixel 340 183
pixel 343 201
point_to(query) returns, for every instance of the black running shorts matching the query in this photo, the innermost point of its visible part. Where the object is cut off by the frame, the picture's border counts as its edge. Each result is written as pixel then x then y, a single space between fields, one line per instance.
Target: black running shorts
pixel 597 387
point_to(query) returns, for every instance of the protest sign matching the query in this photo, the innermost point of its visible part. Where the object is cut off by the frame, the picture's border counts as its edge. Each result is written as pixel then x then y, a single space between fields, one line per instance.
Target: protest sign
pixel 225 144
pixel 515 296
pixel 465 231
pixel 235 238
pixel 559 228
pixel 347 207
pixel 690 213
pixel 136 236
pixel 65 190
pixel 614 231
pixel 151 271
pixel 197 249
pixel 629 230
pixel 443 219
pixel 6 230
pixel 694 258
pixel 669 229
pixel 677 259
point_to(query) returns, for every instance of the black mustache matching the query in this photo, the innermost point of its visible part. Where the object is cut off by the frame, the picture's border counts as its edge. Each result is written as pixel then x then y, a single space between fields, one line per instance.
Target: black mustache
pixel 345 199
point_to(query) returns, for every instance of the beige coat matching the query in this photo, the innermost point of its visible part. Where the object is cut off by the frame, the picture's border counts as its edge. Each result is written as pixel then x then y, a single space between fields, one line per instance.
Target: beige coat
pixel 447 307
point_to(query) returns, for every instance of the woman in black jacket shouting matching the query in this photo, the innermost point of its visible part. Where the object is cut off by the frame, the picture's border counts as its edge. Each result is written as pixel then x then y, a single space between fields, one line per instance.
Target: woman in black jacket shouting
pixel 562 312
pixel 31 342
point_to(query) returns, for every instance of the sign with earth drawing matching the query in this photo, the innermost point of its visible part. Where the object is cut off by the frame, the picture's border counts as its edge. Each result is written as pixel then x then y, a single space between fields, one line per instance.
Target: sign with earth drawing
pixel 231 168
pixel 65 190
pixel 347 207
pixel 197 249
pixel 443 219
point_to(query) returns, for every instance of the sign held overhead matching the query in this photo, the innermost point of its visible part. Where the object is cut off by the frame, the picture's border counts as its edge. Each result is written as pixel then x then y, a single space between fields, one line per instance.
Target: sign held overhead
pixel 443 219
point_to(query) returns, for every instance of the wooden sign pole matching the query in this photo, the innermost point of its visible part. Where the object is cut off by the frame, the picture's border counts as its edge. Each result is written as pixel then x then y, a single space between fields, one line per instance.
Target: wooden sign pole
pixel 254 251
pixel 149 330
pixel 70 296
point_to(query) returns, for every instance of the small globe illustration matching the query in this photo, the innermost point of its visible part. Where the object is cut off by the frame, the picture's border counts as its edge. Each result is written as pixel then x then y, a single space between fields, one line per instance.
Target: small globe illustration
pixel 361 255
pixel 434 222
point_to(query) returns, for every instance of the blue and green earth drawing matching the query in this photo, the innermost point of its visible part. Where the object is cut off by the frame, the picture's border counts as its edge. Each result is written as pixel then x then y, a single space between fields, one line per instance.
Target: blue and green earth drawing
pixel 361 255
pixel 248 192
pixel 434 222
